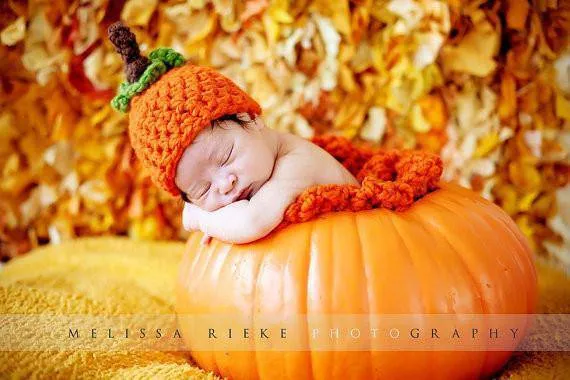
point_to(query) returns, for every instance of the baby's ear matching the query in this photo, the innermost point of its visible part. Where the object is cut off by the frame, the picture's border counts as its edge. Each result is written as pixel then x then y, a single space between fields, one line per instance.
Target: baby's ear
pixel 244 116
pixel 257 123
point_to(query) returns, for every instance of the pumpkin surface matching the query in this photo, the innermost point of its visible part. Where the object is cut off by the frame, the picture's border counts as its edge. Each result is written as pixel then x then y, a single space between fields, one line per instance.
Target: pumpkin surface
pixel 452 252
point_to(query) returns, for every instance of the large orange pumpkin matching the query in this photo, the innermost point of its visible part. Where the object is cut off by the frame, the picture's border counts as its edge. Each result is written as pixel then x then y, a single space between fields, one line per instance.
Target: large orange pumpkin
pixel 451 252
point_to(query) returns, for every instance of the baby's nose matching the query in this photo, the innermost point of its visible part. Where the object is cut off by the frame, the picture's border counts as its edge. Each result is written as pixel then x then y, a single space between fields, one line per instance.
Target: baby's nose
pixel 227 184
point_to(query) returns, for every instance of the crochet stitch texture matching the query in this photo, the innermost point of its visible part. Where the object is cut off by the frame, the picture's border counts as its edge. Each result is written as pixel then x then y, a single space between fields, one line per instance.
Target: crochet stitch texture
pixel 392 179
pixel 168 115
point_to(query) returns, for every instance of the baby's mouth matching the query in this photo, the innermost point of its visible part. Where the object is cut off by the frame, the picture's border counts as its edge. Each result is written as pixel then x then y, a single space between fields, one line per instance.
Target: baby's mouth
pixel 245 193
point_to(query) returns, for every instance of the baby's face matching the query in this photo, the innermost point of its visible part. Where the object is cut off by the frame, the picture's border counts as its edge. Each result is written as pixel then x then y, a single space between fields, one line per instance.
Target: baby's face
pixel 225 165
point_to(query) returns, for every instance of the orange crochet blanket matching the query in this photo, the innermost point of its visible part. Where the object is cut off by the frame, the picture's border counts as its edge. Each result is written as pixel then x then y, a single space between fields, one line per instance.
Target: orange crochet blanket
pixel 392 179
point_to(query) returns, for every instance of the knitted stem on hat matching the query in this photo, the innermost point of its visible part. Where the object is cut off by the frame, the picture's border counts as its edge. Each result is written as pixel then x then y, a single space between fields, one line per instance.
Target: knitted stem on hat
pixel 162 60
pixel 125 43
pixel 391 179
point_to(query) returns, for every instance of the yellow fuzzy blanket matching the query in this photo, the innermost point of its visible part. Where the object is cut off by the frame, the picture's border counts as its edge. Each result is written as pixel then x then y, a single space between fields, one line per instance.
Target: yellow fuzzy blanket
pixel 120 276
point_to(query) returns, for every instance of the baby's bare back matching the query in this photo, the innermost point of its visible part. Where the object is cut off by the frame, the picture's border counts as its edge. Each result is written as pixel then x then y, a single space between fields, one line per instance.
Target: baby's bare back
pixel 305 164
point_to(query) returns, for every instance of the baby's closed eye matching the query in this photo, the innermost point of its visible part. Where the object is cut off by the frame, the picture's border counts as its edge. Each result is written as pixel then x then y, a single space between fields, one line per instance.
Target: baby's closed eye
pixel 204 190
pixel 227 156
pixel 196 195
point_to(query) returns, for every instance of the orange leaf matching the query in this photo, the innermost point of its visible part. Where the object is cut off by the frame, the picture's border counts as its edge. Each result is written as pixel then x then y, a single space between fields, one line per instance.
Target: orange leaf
pixel 508 102
pixel 517 12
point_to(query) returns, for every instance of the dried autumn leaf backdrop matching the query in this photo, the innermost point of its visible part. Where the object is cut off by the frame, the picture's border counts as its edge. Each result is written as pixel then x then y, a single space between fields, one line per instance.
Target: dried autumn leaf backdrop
pixel 484 83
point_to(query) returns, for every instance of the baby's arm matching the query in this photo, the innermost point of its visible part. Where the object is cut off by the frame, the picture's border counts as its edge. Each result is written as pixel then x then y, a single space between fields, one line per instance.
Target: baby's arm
pixel 245 221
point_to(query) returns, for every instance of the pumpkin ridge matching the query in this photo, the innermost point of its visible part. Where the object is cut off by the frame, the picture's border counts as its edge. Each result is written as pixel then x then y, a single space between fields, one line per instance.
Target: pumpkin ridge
pixel 254 297
pixel 478 296
pixel 505 221
pixel 436 261
pixel 354 218
pixel 517 274
pixel 473 232
pixel 332 285
pixel 306 295
pixel 484 224
pixel 284 312
pixel 513 282
pixel 489 359
pixel 409 254
pixel 426 356
pixel 367 282
pixel 482 296
pixel 213 254
pixel 524 263
pixel 430 227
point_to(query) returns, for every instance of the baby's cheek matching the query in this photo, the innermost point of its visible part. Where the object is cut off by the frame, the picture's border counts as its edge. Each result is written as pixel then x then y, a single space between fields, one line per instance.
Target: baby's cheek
pixel 204 205
pixel 208 206
pixel 211 205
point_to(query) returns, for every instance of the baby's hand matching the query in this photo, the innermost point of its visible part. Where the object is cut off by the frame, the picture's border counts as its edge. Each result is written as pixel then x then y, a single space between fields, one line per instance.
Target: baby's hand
pixel 191 217
pixel 191 221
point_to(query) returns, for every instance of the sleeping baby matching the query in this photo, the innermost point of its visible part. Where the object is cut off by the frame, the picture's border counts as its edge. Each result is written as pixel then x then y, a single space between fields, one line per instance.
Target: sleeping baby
pixel 238 177
pixel 199 135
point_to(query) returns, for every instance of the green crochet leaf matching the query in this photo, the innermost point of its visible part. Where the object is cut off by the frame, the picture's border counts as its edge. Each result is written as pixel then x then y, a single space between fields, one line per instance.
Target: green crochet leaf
pixel 167 55
pixel 162 59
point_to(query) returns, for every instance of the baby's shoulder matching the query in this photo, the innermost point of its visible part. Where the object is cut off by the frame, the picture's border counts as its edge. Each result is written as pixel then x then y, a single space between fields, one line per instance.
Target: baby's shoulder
pixel 306 162
pixel 294 147
pixel 293 155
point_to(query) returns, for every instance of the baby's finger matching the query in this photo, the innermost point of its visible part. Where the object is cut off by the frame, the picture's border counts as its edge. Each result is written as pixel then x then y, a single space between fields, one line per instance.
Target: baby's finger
pixel 186 223
pixel 187 218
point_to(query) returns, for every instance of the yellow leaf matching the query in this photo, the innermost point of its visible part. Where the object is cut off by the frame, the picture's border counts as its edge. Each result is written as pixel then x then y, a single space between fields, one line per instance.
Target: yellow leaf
pixel 86 168
pixel 281 15
pixel 145 229
pixel 8 128
pixel 525 176
pixel 14 33
pixel 525 226
pixel 545 206
pixel 346 52
pixel 16 183
pixel 279 12
pixel 99 116
pixel 474 54
pixel 487 144
pixel 351 115
pixel 11 166
pixel 271 27
pixel 562 106
pixel 434 111
pixel 197 4
pixel 32 146
pixel 419 123
pixel 526 201
pixel 92 150
pixel 346 79
pixel 337 10
pixel 138 12
pixel 362 59
pixel 508 198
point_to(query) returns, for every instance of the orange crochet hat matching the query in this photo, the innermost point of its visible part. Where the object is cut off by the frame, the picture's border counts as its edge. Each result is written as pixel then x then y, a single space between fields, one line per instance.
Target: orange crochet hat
pixel 169 102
